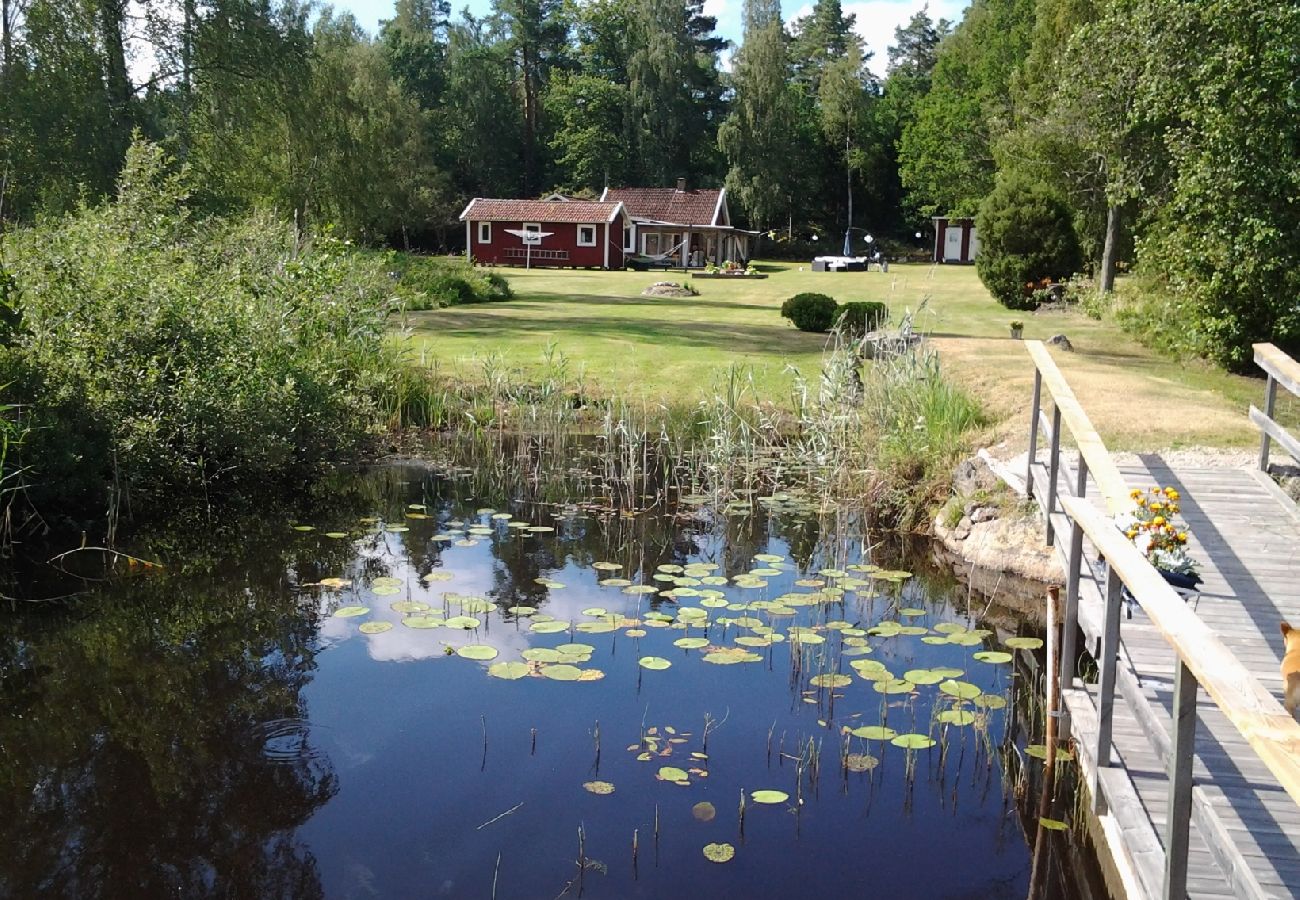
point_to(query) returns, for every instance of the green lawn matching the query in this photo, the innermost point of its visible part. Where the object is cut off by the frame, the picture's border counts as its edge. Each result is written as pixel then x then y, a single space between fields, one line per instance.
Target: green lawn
pixel 667 350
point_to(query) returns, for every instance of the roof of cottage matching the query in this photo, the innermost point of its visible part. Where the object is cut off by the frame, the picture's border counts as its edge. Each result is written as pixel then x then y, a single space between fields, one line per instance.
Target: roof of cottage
pixel 580 212
pixel 669 205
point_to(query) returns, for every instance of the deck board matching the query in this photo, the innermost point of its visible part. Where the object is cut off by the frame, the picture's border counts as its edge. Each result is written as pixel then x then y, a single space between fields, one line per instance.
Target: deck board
pixel 1248 545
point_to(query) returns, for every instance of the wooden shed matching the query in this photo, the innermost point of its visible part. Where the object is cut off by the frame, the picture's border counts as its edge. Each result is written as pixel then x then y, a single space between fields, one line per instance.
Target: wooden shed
pixel 576 233
pixel 955 240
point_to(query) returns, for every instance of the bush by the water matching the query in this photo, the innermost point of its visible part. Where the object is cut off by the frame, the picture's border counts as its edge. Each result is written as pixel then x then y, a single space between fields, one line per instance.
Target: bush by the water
pixel 155 356
pixel 859 317
pixel 428 282
pixel 1026 237
pixel 810 312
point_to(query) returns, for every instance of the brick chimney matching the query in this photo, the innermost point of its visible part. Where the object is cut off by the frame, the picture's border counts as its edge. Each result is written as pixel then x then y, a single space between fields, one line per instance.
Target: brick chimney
pixel 681 185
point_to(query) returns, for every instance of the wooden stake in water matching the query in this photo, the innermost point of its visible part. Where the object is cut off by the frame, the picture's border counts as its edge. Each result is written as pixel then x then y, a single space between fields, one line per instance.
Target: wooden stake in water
pixel 532 751
pixel 1038 872
pixel 634 851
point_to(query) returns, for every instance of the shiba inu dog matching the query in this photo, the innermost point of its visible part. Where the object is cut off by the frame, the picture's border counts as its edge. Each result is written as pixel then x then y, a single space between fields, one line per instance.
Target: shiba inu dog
pixel 1291 669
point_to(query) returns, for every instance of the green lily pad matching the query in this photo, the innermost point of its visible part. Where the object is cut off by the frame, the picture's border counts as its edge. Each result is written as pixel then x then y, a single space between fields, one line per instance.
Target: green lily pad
pixel 552 627
pixel 691 643
pixel 719 853
pixel 957 717
pixel 1053 824
pixel 336 535
pixel 521 611
pixel 991 701
pixel 304 528
pixel 913 741
pixel 894 686
pixel 375 627
pixel 510 671
pixel 654 662
pixel 830 680
pixel 1023 643
pixel 423 621
pixel 463 622
pixel 347 612
pixel 673 774
pixel 1039 751
pixel 995 657
pixel 962 690
pixel 598 787
pixel 607 566
pixel 923 676
pixel 768 796
pixel 874 733
pixel 575 649
pixel 480 652
pixel 562 672
pixel 596 627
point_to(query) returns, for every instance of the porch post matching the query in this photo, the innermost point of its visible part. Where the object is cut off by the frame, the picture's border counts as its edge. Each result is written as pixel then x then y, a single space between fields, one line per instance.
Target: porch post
pixel 607 245
pixel 469 247
pixel 686 249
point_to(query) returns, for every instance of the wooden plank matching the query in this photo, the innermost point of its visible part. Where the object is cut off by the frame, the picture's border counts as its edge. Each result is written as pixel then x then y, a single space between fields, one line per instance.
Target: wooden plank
pixel 1252 710
pixel 1276 432
pixel 1179 807
pixel 1276 363
pixel 1110 483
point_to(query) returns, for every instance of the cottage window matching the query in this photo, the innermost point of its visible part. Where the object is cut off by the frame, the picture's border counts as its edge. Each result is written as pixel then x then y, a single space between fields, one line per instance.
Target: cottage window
pixel 586 235
pixel 485 232
pixel 532 226
pixel 628 246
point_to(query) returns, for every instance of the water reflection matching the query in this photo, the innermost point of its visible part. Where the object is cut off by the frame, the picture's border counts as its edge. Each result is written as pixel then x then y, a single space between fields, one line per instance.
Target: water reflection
pixel 226 734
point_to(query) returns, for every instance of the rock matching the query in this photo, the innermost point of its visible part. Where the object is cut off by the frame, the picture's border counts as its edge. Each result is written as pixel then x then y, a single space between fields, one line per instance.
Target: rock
pixel 1060 340
pixel 962 531
pixel 973 475
pixel 884 344
pixel 983 514
pixel 1000 545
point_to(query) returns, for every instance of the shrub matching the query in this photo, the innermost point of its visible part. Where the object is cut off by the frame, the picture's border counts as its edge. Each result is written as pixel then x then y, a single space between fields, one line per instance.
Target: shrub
pixel 859 317
pixel 168 357
pixel 1026 239
pixel 427 282
pixel 810 312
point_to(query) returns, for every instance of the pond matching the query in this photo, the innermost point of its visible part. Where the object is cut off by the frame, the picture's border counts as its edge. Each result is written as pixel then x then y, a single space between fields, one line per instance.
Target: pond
pixel 417 689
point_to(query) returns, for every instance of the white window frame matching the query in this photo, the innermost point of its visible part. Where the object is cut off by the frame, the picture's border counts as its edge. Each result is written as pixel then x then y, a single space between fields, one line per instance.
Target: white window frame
pixel 629 239
pixel 592 242
pixel 531 226
pixel 485 228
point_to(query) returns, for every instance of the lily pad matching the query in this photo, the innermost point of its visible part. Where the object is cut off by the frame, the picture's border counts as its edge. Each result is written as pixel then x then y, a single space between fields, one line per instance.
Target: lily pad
pixel 654 662
pixel 552 627
pixel 348 612
pixel 962 690
pixel 719 853
pixel 1023 643
pixel 894 686
pixel 913 741
pixel 375 627
pixel 598 787
pixel 562 672
pixel 704 811
pixel 423 621
pixel 480 652
pixel 768 796
pixel 673 774
pixel 691 643
pixel 830 680
pixel 874 733
pixel 924 676
pixel 463 622
pixel 957 717
pixel 1053 824
pixel 510 671
pixel 542 655
pixel 995 657
pixel 860 762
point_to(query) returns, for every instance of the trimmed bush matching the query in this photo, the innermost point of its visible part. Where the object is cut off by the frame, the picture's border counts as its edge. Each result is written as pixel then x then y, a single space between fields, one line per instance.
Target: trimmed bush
pixel 810 312
pixel 859 317
pixel 1027 240
pixel 427 282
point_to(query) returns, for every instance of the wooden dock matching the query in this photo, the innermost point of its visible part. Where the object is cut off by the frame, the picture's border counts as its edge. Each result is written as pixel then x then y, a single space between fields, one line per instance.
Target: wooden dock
pixel 1192 765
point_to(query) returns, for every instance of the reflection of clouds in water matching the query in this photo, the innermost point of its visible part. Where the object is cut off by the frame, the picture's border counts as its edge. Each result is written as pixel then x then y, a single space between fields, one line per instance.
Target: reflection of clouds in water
pixel 473 569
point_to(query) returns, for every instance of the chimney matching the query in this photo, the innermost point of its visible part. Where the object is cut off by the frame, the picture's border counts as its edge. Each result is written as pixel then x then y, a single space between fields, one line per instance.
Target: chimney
pixel 681 185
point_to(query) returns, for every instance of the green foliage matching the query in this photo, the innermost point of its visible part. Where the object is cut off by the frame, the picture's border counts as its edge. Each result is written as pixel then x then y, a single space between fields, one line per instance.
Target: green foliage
pixel 163 356
pixel 1026 236
pixel 810 311
pixel 859 317
pixel 426 282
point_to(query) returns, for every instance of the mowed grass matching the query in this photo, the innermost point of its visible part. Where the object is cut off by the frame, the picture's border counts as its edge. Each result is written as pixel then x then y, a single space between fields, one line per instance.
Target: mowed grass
pixel 676 351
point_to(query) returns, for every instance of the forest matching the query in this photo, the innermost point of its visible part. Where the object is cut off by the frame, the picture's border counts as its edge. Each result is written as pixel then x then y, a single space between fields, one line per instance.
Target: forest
pixel 1166 129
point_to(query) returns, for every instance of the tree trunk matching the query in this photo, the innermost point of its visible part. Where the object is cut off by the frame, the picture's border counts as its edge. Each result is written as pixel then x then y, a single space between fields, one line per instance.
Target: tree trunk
pixel 187 76
pixel 7 13
pixel 1111 249
pixel 117 84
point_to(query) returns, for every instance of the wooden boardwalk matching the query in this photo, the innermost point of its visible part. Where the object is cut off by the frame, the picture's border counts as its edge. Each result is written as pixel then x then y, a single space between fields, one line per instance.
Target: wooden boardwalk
pixel 1237 812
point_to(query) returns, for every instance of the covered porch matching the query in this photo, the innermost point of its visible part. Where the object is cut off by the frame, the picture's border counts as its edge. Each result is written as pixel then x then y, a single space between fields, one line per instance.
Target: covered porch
pixel 694 247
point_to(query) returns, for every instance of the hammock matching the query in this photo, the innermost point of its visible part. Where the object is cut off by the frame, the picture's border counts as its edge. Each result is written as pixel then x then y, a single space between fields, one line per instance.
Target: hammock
pixel 652 259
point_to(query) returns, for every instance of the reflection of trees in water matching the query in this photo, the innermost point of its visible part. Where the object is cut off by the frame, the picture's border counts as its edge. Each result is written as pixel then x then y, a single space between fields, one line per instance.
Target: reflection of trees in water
pixel 135 738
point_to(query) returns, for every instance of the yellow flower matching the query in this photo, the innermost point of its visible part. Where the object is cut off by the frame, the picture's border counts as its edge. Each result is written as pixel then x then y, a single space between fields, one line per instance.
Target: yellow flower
pixel 1182 537
pixel 1131 533
pixel 1171 493
pixel 1158 521
pixel 1142 501
pixel 1135 493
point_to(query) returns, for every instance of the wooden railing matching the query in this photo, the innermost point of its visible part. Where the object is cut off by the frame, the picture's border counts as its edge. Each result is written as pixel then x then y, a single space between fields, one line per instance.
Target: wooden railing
pixel 1203 661
pixel 1280 369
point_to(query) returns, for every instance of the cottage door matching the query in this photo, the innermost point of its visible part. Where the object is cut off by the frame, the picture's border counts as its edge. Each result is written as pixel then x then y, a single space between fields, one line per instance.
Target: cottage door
pixel 952 244
pixel 650 244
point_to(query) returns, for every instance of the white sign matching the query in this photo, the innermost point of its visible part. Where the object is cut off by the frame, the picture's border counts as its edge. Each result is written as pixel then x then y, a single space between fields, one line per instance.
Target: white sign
pixel 532 237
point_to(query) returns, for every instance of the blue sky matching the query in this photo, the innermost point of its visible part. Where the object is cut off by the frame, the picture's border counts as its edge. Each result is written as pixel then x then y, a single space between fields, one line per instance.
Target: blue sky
pixel 877 19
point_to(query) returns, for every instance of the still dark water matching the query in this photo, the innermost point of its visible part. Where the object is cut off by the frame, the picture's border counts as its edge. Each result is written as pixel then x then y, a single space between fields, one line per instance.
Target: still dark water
pixel 230 734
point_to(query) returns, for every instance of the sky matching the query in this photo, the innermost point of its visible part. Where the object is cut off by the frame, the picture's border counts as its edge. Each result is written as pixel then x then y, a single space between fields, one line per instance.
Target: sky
pixel 877 19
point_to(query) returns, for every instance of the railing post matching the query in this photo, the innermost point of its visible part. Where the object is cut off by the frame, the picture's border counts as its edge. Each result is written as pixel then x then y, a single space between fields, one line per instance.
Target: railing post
pixel 1270 397
pixel 1033 433
pixel 1071 625
pixel 1106 686
pixel 1054 470
pixel 1179 814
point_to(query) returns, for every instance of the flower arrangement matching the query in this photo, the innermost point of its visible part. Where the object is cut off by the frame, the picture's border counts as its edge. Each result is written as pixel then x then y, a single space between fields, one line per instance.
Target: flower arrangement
pixel 1154 530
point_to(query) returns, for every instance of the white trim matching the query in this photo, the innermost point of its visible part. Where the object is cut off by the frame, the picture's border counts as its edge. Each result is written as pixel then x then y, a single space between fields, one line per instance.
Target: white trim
pixel 604 192
pixel 629 237
pixel 488 226
pixel 530 226
pixel 606 245
pixel 717 209
pixel 592 242
pixel 469 246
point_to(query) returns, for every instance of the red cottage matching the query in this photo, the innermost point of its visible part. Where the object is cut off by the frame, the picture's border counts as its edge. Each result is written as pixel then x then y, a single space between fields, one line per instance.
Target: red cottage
pixel 577 233
pixel 955 240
